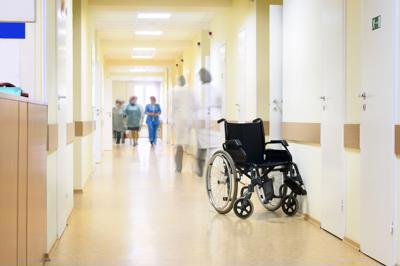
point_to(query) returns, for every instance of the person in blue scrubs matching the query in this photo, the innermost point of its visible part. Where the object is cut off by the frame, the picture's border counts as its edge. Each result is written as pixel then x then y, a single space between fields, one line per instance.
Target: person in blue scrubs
pixel 153 112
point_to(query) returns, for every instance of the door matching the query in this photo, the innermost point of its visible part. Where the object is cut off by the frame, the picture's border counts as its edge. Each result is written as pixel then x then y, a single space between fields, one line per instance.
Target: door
pixel 276 44
pixel 107 116
pixel 333 116
pixel 97 111
pixel 64 85
pixel 241 75
pixel 379 101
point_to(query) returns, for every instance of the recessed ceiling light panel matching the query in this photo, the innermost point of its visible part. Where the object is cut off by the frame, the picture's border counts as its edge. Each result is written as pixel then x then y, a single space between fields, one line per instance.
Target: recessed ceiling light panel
pixel 154 16
pixel 142 56
pixel 149 32
pixel 144 49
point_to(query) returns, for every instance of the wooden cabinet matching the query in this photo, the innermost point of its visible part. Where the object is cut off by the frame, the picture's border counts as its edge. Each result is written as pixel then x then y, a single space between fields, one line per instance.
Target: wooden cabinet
pixel 23 155
pixel 8 182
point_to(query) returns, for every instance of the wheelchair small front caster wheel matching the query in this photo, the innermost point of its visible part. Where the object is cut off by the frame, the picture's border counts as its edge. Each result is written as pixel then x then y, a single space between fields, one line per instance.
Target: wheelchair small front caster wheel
pixel 243 208
pixel 290 205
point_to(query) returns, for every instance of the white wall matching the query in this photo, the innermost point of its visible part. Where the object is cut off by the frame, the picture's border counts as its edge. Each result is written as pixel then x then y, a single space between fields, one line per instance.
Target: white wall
pixel 11 10
pixel 226 27
pixel 302 85
pixel 19 62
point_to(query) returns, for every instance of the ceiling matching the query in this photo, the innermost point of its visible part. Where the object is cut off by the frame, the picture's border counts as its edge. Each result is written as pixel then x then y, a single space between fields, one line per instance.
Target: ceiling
pixel 116 23
pixel 116 29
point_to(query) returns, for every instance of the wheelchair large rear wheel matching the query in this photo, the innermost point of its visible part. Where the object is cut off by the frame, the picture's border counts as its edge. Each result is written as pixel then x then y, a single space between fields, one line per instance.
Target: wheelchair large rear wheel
pixel 221 182
pixel 280 191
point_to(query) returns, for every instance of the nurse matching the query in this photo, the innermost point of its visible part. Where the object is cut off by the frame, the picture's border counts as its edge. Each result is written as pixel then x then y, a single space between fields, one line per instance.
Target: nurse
pixel 153 112
pixel 134 113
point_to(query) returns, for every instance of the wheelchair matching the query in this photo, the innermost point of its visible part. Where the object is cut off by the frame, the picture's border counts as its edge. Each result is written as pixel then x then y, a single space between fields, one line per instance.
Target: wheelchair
pixel 269 166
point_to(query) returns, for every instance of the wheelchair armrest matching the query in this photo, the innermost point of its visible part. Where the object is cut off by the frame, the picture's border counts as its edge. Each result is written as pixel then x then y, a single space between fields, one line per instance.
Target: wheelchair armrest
pixel 283 142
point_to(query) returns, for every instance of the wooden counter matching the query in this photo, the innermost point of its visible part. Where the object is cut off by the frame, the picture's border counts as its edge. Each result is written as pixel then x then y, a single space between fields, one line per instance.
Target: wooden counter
pixel 23 206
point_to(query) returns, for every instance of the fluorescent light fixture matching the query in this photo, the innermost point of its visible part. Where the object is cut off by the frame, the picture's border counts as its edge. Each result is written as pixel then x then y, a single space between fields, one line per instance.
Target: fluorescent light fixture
pixel 138 70
pixel 149 32
pixel 154 16
pixel 142 56
pixel 144 49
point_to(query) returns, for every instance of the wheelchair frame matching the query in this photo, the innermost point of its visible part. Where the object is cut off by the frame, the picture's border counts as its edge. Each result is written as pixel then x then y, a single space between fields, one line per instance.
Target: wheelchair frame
pixel 258 175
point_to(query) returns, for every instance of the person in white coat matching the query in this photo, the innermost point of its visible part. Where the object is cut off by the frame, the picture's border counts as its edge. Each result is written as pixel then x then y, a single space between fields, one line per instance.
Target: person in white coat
pixel 182 118
pixel 209 112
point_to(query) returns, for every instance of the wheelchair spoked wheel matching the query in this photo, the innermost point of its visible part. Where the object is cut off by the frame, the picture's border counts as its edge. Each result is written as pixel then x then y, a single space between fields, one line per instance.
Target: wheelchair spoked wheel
pixel 290 205
pixel 280 191
pixel 221 182
pixel 243 208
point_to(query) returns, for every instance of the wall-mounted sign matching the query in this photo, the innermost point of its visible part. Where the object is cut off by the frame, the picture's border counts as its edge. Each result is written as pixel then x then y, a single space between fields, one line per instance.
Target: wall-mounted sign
pixel 12 30
pixel 376 22
pixel 17 10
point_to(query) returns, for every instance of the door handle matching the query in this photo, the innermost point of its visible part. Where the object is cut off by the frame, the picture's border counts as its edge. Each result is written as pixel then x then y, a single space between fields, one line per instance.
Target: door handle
pixel 363 95
pixel 62 97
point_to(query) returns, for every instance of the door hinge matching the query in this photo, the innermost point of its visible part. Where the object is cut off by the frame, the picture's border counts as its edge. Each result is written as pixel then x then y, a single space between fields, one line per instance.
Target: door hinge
pixel 342 205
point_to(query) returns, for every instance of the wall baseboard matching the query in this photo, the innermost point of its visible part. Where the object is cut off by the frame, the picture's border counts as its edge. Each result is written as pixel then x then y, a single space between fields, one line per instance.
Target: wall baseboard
pixel 312 220
pixel 351 243
pixel 346 240
pixel 47 256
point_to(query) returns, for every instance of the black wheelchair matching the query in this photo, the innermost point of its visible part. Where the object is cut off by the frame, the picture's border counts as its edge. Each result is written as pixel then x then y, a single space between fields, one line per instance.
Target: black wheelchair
pixel 269 166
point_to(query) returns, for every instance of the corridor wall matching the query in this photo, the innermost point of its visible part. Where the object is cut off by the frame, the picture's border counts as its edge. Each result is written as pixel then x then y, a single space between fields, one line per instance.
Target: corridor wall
pixel 241 79
pixel 302 90
pixel 24 57
pixel 84 41
pixel 353 113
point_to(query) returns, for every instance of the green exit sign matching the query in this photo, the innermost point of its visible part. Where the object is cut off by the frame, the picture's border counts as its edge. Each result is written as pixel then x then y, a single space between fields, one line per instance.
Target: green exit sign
pixel 376 22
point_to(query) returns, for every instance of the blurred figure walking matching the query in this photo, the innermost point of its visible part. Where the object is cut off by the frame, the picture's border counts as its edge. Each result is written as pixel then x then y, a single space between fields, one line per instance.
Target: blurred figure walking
pixel 134 113
pixel 183 111
pixel 118 117
pixel 153 112
pixel 209 111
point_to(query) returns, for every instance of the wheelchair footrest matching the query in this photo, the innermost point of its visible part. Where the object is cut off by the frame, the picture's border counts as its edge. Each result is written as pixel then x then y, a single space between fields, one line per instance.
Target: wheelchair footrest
pixel 295 187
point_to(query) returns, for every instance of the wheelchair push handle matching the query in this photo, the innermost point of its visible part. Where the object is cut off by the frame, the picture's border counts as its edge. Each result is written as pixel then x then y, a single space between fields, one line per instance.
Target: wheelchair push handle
pixel 221 120
pixel 257 120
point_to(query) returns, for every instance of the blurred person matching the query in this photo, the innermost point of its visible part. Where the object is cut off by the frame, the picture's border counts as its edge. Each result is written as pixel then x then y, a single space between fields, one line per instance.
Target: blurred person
pixel 118 117
pixel 153 112
pixel 182 118
pixel 134 113
pixel 209 111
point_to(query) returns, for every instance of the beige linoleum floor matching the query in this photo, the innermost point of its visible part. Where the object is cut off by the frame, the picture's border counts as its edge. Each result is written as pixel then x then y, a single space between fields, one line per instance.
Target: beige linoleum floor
pixel 137 211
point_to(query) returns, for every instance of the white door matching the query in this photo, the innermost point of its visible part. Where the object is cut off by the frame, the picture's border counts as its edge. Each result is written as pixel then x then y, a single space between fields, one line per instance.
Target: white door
pixel 221 79
pixel 276 45
pixel 107 116
pixel 241 76
pixel 333 116
pixel 97 112
pixel 379 101
pixel 63 85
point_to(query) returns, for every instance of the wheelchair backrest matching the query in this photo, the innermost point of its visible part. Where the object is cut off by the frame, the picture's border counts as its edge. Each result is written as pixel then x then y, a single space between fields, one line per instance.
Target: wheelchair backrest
pixel 252 137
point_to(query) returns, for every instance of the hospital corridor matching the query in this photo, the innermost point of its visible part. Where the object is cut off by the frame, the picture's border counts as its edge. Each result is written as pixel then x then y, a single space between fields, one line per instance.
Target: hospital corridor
pixel 199 132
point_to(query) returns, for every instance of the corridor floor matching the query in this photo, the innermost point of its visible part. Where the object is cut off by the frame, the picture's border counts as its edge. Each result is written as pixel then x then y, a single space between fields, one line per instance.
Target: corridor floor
pixel 137 211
